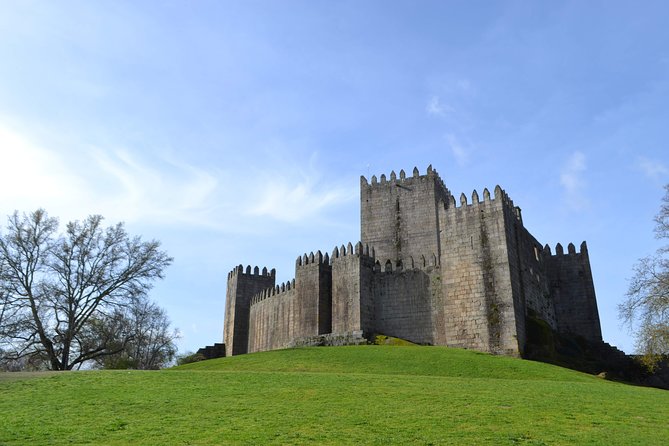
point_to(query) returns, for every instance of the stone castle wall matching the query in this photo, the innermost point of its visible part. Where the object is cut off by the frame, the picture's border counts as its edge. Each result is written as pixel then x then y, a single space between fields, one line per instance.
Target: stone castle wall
pixel 271 319
pixel 399 217
pixel 403 303
pixel 357 295
pixel 478 309
pixel 427 270
pixel 573 292
pixel 294 310
pixel 242 286
pixel 352 289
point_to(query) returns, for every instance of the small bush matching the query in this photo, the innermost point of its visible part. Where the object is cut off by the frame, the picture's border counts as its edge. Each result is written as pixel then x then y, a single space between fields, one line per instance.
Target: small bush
pixel 189 358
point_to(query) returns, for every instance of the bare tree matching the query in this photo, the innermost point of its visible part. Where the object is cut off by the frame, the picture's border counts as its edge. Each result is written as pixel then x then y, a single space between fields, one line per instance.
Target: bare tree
pixel 150 340
pixel 646 308
pixel 57 287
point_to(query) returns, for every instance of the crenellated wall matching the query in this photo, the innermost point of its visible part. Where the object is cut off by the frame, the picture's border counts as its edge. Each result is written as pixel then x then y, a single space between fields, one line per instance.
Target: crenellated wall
pixel 573 291
pixel 242 286
pixel 313 282
pixel 428 270
pixel 519 250
pixel 399 216
pixel 382 296
pixel 271 318
pixel 404 299
pixel 528 273
pixel 352 289
pixel 478 309
pixel 294 310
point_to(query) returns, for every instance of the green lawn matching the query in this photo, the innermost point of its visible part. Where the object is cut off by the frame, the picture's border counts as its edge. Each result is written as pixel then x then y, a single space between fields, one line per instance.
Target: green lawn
pixel 334 395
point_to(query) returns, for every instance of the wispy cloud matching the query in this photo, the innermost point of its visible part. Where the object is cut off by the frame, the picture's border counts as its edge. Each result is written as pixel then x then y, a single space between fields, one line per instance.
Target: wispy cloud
pixel 436 107
pixel 160 188
pixel 284 200
pixel 459 150
pixel 571 179
pixel 455 121
pixel 297 192
pixel 652 169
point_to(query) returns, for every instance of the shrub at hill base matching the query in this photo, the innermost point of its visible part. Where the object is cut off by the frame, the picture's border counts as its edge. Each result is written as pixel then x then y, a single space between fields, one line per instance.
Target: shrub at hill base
pixel 546 345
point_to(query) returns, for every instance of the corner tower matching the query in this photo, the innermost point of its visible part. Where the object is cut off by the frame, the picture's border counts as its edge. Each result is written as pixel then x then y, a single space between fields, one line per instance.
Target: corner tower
pixel 573 292
pixel 242 286
pixel 400 216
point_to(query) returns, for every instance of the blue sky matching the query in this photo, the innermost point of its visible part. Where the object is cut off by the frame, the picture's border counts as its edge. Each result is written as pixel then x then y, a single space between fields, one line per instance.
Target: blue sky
pixel 236 132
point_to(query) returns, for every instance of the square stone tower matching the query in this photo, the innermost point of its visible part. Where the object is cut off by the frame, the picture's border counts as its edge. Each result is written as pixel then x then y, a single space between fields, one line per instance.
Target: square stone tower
pixel 400 216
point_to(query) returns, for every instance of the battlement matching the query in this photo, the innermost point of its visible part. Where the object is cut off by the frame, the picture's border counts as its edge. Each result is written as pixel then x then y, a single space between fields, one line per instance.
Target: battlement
pixel 239 271
pixel 384 265
pixel 499 194
pixel 400 215
pixel 359 250
pixel 312 258
pixel 500 197
pixel 407 263
pixel 402 180
pixel 273 291
pixel 573 291
pixel 571 250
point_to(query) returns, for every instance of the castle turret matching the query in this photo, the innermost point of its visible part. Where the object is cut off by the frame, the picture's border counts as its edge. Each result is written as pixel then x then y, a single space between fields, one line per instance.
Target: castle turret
pixel 480 308
pixel 242 286
pixel 352 301
pixel 573 292
pixel 400 216
pixel 313 308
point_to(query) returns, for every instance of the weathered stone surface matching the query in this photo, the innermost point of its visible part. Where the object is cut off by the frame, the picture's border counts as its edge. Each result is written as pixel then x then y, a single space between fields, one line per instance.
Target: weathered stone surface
pixel 241 289
pixel 426 270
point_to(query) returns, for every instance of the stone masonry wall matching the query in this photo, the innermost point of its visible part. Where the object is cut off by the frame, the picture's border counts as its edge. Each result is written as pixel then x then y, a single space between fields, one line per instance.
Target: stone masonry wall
pixel 403 303
pixel 295 310
pixel 313 282
pixel 478 308
pixel 242 286
pixel 528 265
pixel 573 292
pixel 522 286
pixel 399 216
pixel 352 295
pixel 271 320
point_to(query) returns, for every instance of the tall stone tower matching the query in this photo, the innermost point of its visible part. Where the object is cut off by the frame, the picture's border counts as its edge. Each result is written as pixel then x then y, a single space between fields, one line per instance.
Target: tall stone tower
pixel 242 286
pixel 400 216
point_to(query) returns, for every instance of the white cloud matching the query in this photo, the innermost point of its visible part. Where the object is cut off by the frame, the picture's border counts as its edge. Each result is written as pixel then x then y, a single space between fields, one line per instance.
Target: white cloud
pixel 169 190
pixel 437 108
pixel 571 179
pixel 160 188
pixel 434 107
pixel 292 198
pixel 652 169
pixel 459 151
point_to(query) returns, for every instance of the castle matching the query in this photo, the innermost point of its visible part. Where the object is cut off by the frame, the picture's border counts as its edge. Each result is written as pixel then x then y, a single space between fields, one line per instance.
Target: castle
pixel 427 269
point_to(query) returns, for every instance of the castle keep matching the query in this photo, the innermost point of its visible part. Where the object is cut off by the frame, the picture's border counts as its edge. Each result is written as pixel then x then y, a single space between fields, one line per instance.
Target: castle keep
pixel 429 269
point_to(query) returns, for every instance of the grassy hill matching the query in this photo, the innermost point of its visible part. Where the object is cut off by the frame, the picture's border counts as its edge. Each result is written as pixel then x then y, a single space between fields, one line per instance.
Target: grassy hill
pixel 337 395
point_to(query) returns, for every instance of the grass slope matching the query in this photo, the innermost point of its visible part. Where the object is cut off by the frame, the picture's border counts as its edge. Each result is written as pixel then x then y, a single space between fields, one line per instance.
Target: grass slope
pixel 338 395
